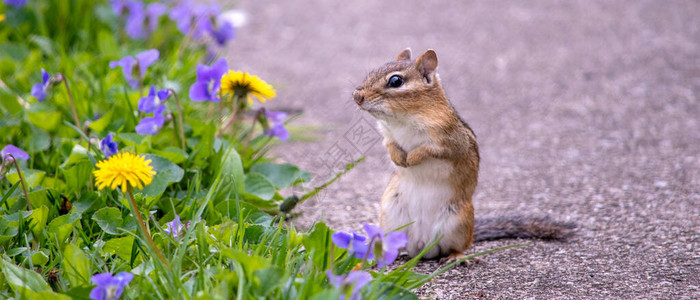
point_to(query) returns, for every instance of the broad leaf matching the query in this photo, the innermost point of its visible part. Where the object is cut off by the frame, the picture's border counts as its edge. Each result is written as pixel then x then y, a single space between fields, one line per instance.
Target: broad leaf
pixel 76 266
pixel 232 176
pixel 111 221
pixel 37 220
pixel 62 226
pixel 166 173
pixel 7 232
pixel 19 277
pixel 281 175
pixel 120 246
pixel 258 185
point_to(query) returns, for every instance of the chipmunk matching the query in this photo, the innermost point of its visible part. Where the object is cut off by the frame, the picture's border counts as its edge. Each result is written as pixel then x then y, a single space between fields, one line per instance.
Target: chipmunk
pixel 437 159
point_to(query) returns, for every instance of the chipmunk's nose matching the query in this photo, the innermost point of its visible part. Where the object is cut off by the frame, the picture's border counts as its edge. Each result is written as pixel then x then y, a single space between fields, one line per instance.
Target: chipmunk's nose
pixel 359 98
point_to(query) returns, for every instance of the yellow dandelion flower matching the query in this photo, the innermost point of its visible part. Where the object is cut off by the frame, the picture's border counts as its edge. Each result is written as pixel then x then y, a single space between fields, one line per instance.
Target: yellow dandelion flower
pixel 244 84
pixel 2 17
pixel 124 169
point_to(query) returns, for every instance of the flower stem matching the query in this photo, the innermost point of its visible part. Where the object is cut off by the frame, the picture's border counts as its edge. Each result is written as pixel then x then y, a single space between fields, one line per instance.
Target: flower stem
pixel 72 103
pixel 21 180
pixel 248 136
pixel 137 213
pixel 180 119
pixel 366 257
pixel 231 119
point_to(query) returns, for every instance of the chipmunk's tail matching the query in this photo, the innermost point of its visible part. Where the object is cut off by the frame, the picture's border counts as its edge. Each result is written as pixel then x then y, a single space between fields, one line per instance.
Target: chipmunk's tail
pixel 519 227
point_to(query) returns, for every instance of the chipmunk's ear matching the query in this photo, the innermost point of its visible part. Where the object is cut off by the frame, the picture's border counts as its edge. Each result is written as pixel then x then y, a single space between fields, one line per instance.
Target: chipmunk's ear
pixel 404 55
pixel 426 64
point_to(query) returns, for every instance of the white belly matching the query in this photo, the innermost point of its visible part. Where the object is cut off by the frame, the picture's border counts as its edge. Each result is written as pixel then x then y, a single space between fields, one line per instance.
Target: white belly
pixel 423 198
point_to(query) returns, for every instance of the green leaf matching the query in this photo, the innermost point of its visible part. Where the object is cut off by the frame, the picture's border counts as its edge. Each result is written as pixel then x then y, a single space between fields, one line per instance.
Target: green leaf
pixel 38 140
pixel 391 291
pixel 166 173
pixel 42 198
pixel 19 277
pixel 44 43
pixel 44 117
pixel 232 176
pixel 15 51
pixel 258 185
pixel 77 155
pixel 76 266
pixel 78 176
pixel 268 280
pixel 250 214
pixel 131 139
pixel 317 243
pixel 54 184
pixel 106 43
pixel 250 263
pixel 62 226
pixel 7 232
pixel 37 220
pixel 8 100
pixel 100 124
pixel 110 220
pixel 260 203
pixel 327 294
pixel 39 258
pixel 86 202
pixel 205 147
pixel 120 246
pixel 175 155
pixel 31 177
pixel 281 175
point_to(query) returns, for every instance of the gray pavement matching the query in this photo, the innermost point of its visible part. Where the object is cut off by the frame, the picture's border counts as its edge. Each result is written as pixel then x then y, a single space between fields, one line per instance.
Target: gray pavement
pixel 585 111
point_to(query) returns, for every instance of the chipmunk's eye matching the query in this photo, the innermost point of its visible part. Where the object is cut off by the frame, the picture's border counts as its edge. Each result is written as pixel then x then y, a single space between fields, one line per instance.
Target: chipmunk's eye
pixel 395 81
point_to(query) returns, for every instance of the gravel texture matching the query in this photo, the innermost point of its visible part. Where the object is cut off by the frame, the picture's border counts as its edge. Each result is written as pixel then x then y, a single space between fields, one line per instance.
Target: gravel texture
pixel 585 111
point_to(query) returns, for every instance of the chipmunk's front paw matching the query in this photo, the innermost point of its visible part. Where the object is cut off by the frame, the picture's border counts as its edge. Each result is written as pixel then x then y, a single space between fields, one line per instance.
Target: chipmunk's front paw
pixel 397 155
pixel 399 159
pixel 414 158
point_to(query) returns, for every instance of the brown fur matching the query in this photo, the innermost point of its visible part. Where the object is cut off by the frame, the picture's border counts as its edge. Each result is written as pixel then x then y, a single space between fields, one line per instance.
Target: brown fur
pixel 421 105
pixel 452 140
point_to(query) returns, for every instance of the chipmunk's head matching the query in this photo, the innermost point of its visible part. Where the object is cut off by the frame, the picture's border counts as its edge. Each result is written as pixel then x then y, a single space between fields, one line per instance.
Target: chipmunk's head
pixel 401 88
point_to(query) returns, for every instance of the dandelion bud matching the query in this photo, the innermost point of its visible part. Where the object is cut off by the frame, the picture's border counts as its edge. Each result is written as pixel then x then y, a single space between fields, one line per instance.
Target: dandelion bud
pixel 289 203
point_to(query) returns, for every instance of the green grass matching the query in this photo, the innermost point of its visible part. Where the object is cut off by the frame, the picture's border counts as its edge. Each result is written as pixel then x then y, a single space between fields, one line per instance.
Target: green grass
pixel 238 243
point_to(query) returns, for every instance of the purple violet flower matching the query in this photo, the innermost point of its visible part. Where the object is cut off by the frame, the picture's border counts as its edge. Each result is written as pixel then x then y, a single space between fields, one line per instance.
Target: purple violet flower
pixel 138 16
pixel 108 145
pixel 353 283
pixel 128 64
pixel 152 125
pixel 149 103
pixel 222 34
pixel 153 13
pixel 110 287
pixel 206 88
pixel 174 228
pixel 118 6
pixel 385 247
pixel 354 243
pixel 277 127
pixel 182 15
pixel 16 152
pixel 135 19
pixel 16 3
pixel 202 14
pixel 145 59
pixel 39 90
